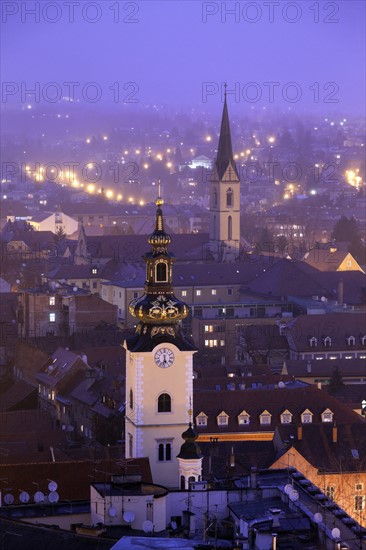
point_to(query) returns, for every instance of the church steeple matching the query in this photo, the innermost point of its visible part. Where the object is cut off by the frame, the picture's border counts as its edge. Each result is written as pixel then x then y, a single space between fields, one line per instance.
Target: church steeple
pixel 159 312
pixel 225 156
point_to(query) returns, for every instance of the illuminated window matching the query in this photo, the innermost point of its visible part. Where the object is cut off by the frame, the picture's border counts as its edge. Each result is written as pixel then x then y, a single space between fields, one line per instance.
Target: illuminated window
pixel 184 293
pixel 209 328
pixel 359 503
pixel 52 301
pixel 52 317
pixel 213 292
pixel 198 293
pixel 330 491
pixel 94 270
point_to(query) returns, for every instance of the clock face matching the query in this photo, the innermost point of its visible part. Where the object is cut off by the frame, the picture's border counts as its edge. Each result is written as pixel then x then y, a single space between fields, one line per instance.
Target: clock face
pixel 164 357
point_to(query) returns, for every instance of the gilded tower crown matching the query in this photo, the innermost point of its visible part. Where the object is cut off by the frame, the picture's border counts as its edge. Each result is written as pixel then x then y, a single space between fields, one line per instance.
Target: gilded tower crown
pixel 158 311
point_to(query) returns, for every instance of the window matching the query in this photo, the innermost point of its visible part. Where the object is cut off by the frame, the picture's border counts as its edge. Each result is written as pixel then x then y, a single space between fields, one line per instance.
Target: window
pixel 327 416
pixel 229 228
pixel 215 197
pixel 130 445
pixel 243 418
pixel 222 419
pixel 161 272
pixel 213 292
pixel 201 419
pixel 211 343
pixel 307 417
pixel 184 293
pixel 164 451
pixel 359 487
pixel 94 270
pixel 351 340
pixel 52 301
pixel 52 317
pixel 135 295
pixel 229 291
pixel 286 417
pixel 359 503
pixel 95 285
pixel 222 343
pixel 131 398
pixel 164 403
pixel 313 342
pixel 330 491
pixel 229 197
pixel 265 417
pixel 198 293
pixel 327 341
pixel 209 328
pixel 363 340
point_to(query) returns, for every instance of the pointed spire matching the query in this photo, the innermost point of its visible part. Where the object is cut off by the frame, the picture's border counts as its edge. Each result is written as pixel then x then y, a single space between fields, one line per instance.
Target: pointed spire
pixel 225 149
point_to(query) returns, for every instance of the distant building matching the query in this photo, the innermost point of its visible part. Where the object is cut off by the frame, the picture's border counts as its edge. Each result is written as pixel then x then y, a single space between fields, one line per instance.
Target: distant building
pixel 54 221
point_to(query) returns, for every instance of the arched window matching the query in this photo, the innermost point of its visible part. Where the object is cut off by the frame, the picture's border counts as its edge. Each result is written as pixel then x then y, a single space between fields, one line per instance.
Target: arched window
pixel 164 403
pixel 130 445
pixel 327 341
pixel 229 197
pixel 229 228
pixel 164 452
pixel 131 399
pixel 161 272
pixel 182 482
pixel 215 197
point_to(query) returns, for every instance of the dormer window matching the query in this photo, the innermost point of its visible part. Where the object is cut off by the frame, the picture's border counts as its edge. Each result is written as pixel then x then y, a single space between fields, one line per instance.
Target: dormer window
pixel 307 417
pixel 313 342
pixel 327 341
pixel 243 418
pixel 351 340
pixel 265 418
pixel 94 270
pixel 222 419
pixel 286 417
pixel 327 416
pixel 201 419
pixel 363 340
pixel 52 301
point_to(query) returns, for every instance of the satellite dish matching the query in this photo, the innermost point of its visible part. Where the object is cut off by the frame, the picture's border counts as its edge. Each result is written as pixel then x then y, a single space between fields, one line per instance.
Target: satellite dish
pixel 281 384
pixel 147 526
pixel 288 488
pixel 128 516
pixel 112 512
pixel 24 497
pixel 318 518
pixel 53 497
pixel 8 499
pixel 52 486
pixel 38 497
pixel 336 533
pixel 294 496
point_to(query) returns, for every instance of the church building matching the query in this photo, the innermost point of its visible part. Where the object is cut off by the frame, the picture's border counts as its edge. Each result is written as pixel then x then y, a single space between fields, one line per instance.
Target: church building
pixel 159 373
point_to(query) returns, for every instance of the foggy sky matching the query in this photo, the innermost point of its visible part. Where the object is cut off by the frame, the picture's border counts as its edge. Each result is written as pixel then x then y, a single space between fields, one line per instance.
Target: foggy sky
pixel 167 49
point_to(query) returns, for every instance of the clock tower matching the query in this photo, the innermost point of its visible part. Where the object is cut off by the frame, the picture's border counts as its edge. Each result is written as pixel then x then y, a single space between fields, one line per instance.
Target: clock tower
pixel 159 366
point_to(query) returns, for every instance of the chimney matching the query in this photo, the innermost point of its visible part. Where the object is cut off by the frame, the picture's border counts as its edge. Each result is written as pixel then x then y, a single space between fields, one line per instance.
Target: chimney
pixel 299 432
pixel 308 367
pixel 340 293
pixel 334 433
pixel 253 477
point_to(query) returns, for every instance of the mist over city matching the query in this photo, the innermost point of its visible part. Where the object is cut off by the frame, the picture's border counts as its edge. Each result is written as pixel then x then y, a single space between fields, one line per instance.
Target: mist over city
pixel 182 281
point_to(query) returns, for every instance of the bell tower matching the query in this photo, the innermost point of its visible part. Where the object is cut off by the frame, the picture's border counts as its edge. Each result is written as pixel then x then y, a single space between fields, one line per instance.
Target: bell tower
pixel 225 198
pixel 159 365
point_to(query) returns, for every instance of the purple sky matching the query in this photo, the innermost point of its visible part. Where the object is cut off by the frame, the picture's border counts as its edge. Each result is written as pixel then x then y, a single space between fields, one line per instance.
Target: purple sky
pixel 169 52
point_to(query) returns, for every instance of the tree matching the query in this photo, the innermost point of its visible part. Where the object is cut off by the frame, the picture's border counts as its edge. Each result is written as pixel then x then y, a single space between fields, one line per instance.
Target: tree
pixel 282 243
pixel 335 381
pixel 345 229
pixel 59 234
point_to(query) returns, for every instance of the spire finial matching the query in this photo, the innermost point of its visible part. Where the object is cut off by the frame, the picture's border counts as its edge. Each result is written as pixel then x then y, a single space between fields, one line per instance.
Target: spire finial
pixel 190 412
pixel 225 86
pixel 159 201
